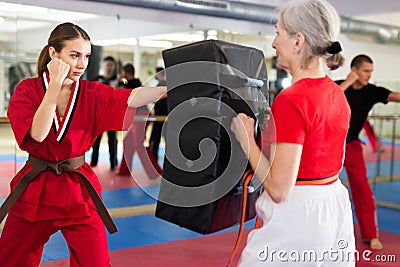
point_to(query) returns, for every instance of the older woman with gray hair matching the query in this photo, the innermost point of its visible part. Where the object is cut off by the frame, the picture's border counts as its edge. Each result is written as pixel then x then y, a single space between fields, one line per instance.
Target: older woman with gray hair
pixel 304 209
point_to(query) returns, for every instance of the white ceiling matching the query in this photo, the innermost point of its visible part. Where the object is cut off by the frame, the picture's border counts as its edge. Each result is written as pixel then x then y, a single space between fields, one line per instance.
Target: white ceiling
pixel 366 7
pixel 102 22
pixel 349 7
pixel 353 8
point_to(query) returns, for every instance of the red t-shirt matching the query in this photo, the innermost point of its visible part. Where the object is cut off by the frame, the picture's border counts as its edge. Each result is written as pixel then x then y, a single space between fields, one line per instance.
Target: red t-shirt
pixel 315 114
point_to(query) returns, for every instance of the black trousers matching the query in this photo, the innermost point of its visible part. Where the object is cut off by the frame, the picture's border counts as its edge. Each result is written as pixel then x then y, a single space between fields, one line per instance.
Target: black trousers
pixel 112 148
pixel 155 138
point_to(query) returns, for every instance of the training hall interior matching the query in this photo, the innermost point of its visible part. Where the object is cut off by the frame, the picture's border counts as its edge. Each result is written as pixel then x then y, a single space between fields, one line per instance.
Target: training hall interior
pixel 137 33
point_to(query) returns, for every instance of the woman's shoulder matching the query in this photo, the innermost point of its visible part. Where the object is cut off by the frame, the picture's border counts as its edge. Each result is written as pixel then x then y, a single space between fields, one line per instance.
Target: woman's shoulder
pixel 95 88
pixel 95 85
pixel 31 80
pixel 31 84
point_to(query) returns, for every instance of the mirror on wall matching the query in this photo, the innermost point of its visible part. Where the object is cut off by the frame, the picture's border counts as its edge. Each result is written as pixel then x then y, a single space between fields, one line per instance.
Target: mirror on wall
pixel 8 59
pixel 24 31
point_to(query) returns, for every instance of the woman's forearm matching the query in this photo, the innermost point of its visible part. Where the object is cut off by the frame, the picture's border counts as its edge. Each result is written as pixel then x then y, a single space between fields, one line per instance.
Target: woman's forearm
pixel 258 162
pixel 43 117
pixel 277 179
pixel 262 170
pixel 144 95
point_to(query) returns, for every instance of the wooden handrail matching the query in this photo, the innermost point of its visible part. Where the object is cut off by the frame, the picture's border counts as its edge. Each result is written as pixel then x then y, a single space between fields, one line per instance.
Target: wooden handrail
pixel 385 117
pixel 4 120
pixel 164 118
pixel 157 118
pixel 137 118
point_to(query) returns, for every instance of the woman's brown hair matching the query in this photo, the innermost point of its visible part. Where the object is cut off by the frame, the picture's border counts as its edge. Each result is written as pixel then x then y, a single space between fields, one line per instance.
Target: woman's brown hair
pixel 63 32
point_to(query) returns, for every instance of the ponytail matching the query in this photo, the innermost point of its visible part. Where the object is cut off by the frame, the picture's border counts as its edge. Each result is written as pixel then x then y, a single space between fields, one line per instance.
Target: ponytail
pixel 335 61
pixel 43 60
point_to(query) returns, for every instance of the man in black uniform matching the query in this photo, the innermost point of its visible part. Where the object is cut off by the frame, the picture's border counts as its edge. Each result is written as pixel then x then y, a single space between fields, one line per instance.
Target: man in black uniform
pixel 109 77
pixel 362 96
pixel 160 109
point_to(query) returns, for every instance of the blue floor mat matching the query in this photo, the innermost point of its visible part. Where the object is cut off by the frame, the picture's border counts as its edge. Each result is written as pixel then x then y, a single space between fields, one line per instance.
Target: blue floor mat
pixel 133 232
pixel 132 196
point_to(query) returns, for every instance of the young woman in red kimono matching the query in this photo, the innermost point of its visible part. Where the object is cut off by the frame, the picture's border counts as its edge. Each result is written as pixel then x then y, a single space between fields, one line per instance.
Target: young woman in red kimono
pixel 56 117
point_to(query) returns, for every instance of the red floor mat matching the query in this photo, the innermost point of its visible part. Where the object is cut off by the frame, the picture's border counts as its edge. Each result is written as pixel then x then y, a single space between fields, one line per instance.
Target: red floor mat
pixel 215 251
pixel 389 256
pixel 212 250
pixel 385 154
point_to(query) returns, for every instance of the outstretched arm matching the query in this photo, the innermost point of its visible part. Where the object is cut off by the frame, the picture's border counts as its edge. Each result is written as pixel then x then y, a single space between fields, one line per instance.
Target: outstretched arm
pixel 145 95
pixel 350 80
pixel 394 97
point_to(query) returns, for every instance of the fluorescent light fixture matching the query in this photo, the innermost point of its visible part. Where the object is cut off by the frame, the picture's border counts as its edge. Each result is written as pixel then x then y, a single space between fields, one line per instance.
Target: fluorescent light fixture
pixel 178 37
pixel 133 41
pixel 35 13
pixel 155 43
pixel 212 35
pixel 204 4
pixel 121 41
pixel 286 82
pixel 2 20
pixel 9 7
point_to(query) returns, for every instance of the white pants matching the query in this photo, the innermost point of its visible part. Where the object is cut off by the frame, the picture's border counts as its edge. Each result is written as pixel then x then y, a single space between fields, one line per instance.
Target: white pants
pixel 313 227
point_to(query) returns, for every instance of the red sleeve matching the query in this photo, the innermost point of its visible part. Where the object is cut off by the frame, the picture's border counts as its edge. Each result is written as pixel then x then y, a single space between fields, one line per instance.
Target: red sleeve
pixel 23 105
pixel 112 106
pixel 289 120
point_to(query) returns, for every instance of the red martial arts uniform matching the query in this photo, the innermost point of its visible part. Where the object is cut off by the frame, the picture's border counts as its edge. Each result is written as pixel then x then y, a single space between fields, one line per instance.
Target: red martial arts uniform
pixel 372 138
pixel 134 142
pixel 50 202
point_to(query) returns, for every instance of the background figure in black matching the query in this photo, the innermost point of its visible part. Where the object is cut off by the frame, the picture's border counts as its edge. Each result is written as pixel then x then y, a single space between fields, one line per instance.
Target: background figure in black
pixel 136 135
pixel 362 96
pixel 14 77
pixel 160 109
pixel 109 77
pixel 126 79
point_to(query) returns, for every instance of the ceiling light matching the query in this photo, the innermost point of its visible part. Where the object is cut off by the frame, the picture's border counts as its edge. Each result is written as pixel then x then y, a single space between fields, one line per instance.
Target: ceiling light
pixel 9 7
pixel 122 41
pixel 155 43
pixel 286 82
pixel 179 37
pixel 133 41
pixel 212 35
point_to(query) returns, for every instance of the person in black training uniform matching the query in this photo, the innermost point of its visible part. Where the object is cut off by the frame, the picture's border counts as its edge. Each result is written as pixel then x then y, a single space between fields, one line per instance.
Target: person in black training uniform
pixel 160 109
pixel 109 77
pixel 362 96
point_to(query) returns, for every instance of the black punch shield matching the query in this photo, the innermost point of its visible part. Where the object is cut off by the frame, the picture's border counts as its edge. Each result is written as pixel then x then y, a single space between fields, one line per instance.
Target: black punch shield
pixel 206 80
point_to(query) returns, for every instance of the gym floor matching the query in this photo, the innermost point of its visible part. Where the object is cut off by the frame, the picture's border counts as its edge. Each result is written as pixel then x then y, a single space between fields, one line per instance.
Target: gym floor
pixel 144 240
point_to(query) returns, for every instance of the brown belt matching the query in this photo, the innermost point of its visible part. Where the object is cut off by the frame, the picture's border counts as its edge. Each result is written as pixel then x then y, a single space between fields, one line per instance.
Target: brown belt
pixel 58 168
